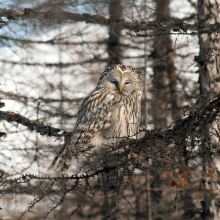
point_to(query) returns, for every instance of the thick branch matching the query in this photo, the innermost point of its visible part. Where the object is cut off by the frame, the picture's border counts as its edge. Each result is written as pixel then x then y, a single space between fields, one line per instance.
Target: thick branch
pixel 31 125
pixel 170 27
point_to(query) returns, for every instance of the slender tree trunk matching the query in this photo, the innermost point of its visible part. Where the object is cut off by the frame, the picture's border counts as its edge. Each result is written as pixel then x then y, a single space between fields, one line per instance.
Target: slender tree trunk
pixel 113 45
pixel 115 11
pixel 147 181
pixel 209 75
pixel 174 100
pixel 164 72
pixel 164 88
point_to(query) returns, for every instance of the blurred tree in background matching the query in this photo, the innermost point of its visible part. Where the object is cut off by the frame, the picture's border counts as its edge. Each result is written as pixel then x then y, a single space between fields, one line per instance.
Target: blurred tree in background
pixel 51 56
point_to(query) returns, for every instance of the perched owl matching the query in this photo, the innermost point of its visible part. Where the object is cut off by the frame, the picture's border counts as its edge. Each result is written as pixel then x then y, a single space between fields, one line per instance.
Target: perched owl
pixel 112 111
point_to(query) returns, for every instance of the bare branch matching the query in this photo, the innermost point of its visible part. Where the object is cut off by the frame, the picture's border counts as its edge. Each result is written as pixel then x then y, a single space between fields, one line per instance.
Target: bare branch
pixel 31 125
pixel 61 65
pixel 65 65
pixel 51 41
pixel 170 27
pixel 59 42
pixel 24 99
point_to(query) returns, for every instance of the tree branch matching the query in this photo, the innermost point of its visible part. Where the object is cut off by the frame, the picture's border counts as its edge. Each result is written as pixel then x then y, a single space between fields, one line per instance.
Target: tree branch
pixel 64 65
pixel 51 41
pixel 60 65
pixel 31 125
pixel 25 99
pixel 197 117
pixel 170 27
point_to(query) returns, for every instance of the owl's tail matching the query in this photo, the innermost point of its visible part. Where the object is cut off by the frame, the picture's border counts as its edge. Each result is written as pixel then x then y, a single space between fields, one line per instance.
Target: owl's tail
pixel 62 160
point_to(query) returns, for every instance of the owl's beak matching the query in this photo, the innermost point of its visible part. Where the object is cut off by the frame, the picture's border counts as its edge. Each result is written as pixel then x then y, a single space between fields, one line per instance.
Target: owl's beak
pixel 120 89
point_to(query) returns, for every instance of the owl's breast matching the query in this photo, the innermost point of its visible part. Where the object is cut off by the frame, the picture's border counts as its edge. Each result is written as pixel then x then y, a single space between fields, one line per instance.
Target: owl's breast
pixel 123 120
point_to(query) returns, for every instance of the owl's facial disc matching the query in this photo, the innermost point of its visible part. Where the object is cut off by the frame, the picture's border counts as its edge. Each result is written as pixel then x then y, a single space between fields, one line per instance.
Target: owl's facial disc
pixel 121 82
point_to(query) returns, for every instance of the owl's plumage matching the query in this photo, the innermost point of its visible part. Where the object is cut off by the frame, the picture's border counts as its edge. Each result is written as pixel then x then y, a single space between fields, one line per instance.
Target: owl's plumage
pixel 112 111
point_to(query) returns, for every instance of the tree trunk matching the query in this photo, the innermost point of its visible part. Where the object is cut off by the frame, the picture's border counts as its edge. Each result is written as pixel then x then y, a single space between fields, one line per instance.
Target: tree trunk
pixel 115 11
pixel 209 79
pixel 164 89
pixel 113 44
pixel 209 59
pixel 164 72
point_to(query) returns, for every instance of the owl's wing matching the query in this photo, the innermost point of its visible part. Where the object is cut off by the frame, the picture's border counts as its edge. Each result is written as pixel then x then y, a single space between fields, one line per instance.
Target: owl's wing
pixel 93 116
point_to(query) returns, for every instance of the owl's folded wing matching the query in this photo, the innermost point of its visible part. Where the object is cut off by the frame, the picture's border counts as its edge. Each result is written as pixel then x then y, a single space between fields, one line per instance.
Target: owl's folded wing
pixel 93 116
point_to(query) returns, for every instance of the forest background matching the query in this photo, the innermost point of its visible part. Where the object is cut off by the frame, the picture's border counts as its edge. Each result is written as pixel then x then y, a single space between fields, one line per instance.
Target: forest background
pixel 51 56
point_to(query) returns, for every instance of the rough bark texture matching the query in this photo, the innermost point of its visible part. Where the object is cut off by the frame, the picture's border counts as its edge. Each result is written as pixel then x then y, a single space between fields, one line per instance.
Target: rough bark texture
pixel 209 59
pixel 209 79
pixel 115 11
pixel 164 72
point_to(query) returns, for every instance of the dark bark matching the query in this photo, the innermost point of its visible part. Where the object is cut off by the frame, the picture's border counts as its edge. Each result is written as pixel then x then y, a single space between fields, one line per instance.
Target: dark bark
pixel 208 59
pixel 31 125
pixel 209 75
pixel 115 11
pixel 164 72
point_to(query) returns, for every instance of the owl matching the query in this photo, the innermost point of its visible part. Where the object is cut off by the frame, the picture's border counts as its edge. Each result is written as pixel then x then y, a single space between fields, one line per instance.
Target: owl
pixel 110 113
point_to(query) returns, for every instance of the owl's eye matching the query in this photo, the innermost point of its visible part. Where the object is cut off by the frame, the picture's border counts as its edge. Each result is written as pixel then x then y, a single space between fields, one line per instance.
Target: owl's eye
pixel 115 82
pixel 127 82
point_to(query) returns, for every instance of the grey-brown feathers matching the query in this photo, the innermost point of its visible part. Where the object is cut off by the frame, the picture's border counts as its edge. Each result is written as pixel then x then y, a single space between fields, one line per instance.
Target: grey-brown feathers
pixel 111 112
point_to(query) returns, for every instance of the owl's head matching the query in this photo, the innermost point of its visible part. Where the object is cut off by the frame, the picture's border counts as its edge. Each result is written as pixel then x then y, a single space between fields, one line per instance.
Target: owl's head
pixel 120 79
